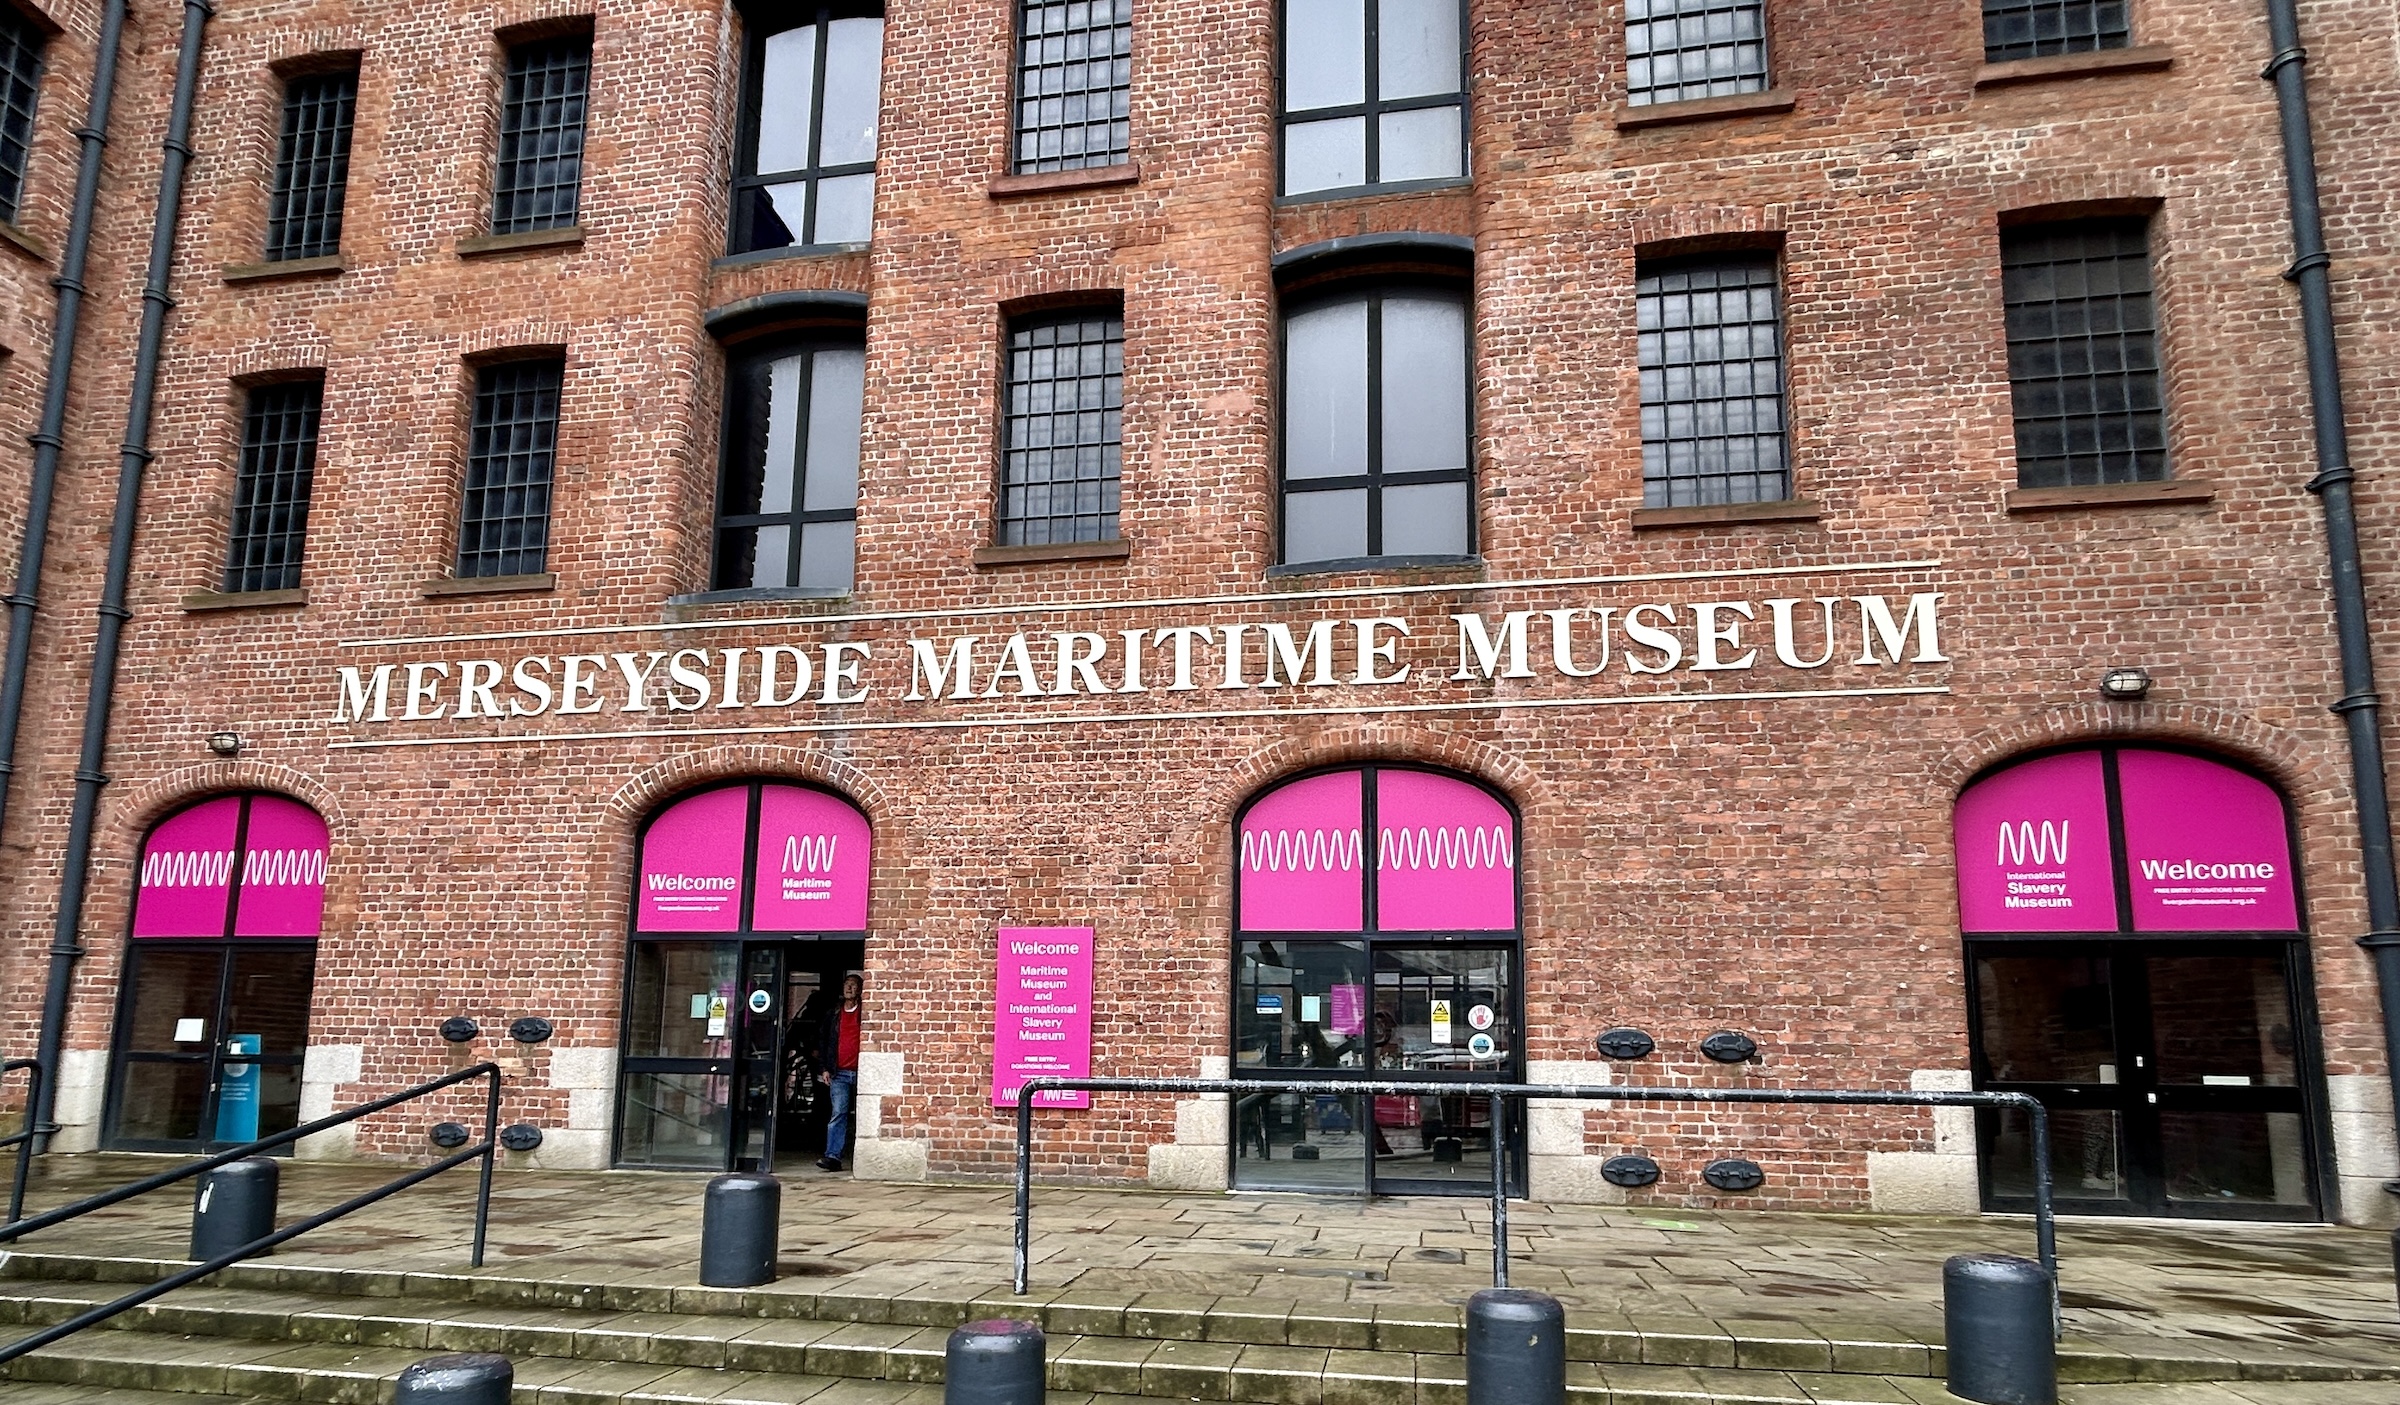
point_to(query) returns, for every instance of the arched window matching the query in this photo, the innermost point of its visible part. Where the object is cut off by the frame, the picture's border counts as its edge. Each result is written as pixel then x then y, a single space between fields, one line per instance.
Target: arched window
pixel 212 1020
pixel 810 108
pixel 2135 959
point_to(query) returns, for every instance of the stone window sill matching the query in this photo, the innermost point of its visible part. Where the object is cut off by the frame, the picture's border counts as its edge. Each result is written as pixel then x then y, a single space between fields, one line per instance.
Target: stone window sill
pixel 22 242
pixel 788 251
pixel 1006 184
pixel 1650 519
pixel 480 245
pixel 490 585
pixel 204 601
pixel 2147 58
pixel 324 266
pixel 747 593
pixel 1377 565
pixel 2105 495
pixel 1116 550
pixel 1664 114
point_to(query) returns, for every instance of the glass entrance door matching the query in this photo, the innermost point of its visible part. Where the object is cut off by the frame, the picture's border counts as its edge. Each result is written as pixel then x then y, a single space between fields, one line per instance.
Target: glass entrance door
pixel 210 1039
pixel 1444 1013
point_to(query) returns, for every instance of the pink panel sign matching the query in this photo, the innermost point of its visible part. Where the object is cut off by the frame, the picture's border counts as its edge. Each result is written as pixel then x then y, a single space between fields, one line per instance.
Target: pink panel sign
pixel 2033 850
pixel 692 864
pixel 1446 859
pixel 187 873
pixel 283 871
pixel 2206 848
pixel 1042 1012
pixel 1302 870
pixel 814 854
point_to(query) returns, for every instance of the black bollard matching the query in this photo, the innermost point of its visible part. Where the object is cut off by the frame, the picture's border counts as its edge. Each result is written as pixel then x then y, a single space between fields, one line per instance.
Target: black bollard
pixel 1996 1323
pixel 994 1363
pixel 1516 1348
pixel 478 1379
pixel 233 1205
pixel 739 1222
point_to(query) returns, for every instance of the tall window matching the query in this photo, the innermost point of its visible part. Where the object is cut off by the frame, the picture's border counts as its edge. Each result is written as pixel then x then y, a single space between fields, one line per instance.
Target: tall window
pixel 2083 354
pixel 1060 457
pixel 1074 84
pixel 540 171
pixel 1681 49
pixel 504 526
pixel 20 80
pixel 1711 357
pixel 787 511
pixel 1375 426
pixel 270 495
pixel 312 166
pixel 2025 29
pixel 807 172
pixel 1374 93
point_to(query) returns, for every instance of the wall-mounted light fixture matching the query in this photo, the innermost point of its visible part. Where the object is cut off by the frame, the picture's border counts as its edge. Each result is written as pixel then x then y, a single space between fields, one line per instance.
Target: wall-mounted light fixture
pixel 225 743
pixel 2125 684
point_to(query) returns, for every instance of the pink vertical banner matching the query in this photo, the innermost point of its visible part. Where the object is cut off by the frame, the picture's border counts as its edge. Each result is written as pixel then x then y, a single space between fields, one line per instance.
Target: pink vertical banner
pixel 187 872
pixel 2032 847
pixel 691 878
pixel 1042 1012
pixel 1446 856
pixel 2206 846
pixel 283 871
pixel 814 854
pixel 1301 864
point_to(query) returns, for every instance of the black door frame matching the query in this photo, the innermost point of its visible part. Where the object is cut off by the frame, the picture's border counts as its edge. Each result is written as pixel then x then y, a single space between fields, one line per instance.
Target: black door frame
pixel 121 1058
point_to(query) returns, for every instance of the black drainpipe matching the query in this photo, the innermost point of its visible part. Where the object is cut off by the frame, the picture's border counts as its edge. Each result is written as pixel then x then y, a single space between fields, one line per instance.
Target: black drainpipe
pixel 2358 706
pixel 113 614
pixel 48 440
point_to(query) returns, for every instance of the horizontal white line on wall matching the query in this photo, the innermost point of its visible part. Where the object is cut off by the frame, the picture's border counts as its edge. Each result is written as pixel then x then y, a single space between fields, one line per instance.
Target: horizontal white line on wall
pixel 1070 719
pixel 1064 607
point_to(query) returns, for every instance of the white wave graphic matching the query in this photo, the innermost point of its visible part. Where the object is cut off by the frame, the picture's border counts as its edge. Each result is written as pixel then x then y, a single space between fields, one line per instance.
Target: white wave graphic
pixel 1426 847
pixel 2022 843
pixel 187 868
pixel 809 853
pixel 1300 850
pixel 284 868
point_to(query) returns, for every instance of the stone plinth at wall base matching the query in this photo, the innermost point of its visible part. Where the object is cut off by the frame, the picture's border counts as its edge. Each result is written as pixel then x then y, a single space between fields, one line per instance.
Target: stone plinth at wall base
pixel 567 1149
pixel 82 1082
pixel 1570 1180
pixel 891 1159
pixel 2365 1150
pixel 1922 1183
pixel 1174 1166
pixel 324 1070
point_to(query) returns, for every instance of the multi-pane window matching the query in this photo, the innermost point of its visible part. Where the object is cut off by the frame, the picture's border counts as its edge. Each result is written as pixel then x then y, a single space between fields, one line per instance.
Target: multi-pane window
pixel 20 79
pixel 787 509
pixel 1711 359
pixel 1066 404
pixel 512 447
pixel 2083 368
pixel 1676 50
pixel 540 172
pixel 1376 454
pixel 312 166
pixel 2027 29
pixel 807 173
pixel 270 493
pixel 1074 84
pixel 1373 93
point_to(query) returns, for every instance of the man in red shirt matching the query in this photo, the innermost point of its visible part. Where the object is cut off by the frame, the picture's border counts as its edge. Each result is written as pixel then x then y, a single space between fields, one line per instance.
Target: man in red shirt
pixel 837 1069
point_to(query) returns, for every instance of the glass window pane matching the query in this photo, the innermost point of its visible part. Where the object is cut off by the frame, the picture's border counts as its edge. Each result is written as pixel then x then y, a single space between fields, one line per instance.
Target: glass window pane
pixel 673 985
pixel 845 209
pixel 174 995
pixel 775 215
pixel 1288 1141
pixel 268 996
pixel 1420 144
pixel 2046 1019
pixel 853 91
pixel 783 433
pixel 676 1119
pixel 2222 1021
pixel 1325 526
pixel 771 561
pixel 1324 53
pixel 1325 391
pixel 2083 1153
pixel 1324 155
pixel 827 553
pixel 1445 1008
pixel 1301 1005
pixel 786 90
pixel 1425 519
pixel 1417 48
pixel 834 406
pixel 161 1101
pixel 2235 1158
pixel 1424 384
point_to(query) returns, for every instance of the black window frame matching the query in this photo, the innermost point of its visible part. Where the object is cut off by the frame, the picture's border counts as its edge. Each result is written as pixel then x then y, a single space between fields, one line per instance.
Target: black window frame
pixel 2147 433
pixel 24 45
pixel 1659 491
pixel 1372 111
pixel 317 180
pixel 739 360
pixel 518 193
pixel 758 29
pixel 1023 97
pixel 475 485
pixel 1014 529
pixel 270 557
pixel 2104 31
pixel 1647 94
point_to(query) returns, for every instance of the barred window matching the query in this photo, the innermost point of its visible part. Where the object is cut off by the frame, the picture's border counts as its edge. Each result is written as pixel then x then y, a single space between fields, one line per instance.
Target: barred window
pixel 1066 399
pixel 1711 359
pixel 807 170
pixel 787 507
pixel 1375 426
pixel 1074 84
pixel 540 171
pixel 312 166
pixel 270 493
pixel 2083 369
pixel 20 80
pixel 504 526
pixel 2026 29
pixel 1676 50
pixel 1374 93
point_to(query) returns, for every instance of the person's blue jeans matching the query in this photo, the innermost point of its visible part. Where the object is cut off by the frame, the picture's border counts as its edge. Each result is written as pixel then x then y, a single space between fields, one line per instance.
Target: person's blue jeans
pixel 837 1129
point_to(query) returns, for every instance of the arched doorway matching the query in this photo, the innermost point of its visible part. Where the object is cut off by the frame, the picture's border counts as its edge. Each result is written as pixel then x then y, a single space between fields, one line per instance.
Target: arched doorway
pixel 2137 959
pixel 750 905
pixel 212 1017
pixel 1376 936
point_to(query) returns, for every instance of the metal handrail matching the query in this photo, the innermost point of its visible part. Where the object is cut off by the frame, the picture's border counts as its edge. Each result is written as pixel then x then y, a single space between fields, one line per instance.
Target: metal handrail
pixel 486 1151
pixel 23 1138
pixel 2044 1221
